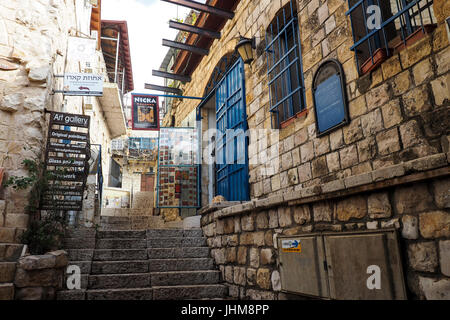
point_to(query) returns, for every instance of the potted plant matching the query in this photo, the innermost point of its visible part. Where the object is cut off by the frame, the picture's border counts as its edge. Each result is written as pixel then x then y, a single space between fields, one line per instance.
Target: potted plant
pixel 378 57
pixel 415 36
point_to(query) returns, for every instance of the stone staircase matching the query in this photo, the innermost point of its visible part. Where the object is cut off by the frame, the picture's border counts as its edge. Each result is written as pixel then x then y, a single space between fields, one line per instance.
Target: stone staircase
pixel 157 264
pixel 10 252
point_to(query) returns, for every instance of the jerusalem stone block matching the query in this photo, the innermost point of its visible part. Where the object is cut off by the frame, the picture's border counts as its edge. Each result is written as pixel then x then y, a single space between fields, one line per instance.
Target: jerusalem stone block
pixel 7 272
pixel 378 96
pixel 230 255
pixel 422 71
pixel 292 176
pixel 6 291
pixel 443 61
pixel 372 225
pixel 416 52
pixel 242 255
pixel 413 198
pixel 435 289
pixel 401 83
pixel 285 216
pixel 351 208
pixel 410 134
pixel 333 162
pixel 37 262
pixel 358 180
pixel 410 227
pixel 254 257
pixel 322 211
pixel 248 222
pixel 379 206
pixel 336 139
pixel 441 9
pixel 38 278
pixel 228 274
pixel 391 67
pixel 319 167
pixel 417 101
pixel 240 276
pixel 251 276
pixel 262 220
pixel 307 151
pixel 321 146
pixel 267 256
pixel 388 141
pixel 367 149
pixel 7 235
pixel 357 107
pixel 268 238
pixel 441 190
pixel 423 256
pixel 333 186
pixel 12 102
pixel 273 219
pixel 296 160
pixel 304 172
pixel 301 137
pixel 392 114
pixel 441 89
pixel 444 254
pixel 427 163
pixel 276 182
pixel 263 278
pixel 393 223
pixel 434 224
pixel 349 156
pixel 372 122
pixel 353 132
pixel 388 173
pixel 302 214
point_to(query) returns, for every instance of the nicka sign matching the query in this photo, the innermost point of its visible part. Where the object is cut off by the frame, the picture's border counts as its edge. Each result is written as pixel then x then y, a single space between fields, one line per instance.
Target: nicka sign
pixel 145 112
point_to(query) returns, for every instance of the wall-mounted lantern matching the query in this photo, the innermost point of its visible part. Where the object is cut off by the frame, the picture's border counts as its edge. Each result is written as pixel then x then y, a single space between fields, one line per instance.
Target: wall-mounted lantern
pixel 245 48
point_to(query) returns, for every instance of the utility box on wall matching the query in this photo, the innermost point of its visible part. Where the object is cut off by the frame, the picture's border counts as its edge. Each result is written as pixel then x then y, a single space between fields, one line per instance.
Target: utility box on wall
pixel 342 266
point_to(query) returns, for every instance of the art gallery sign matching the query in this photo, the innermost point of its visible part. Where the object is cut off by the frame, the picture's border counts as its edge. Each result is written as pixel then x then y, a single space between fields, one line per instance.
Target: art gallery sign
pixel 83 84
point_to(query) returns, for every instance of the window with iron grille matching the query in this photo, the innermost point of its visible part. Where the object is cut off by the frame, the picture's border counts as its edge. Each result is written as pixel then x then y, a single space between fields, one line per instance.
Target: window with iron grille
pixel 401 22
pixel 284 67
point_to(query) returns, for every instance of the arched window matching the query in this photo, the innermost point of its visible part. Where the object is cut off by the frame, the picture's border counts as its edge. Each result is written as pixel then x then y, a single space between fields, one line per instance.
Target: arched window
pixel 284 67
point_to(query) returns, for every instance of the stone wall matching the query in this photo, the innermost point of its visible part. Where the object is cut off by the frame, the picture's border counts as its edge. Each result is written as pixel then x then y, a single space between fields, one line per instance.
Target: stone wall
pixel 415 203
pixel 399 112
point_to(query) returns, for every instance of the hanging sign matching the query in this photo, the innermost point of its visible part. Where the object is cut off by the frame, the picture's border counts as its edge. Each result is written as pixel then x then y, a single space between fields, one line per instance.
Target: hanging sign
pixel 81 49
pixel 66 161
pixel 329 96
pixel 145 112
pixel 83 84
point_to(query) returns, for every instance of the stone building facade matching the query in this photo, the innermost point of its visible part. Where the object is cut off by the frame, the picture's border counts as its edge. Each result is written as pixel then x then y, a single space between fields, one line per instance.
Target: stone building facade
pixel 387 168
pixel 34 38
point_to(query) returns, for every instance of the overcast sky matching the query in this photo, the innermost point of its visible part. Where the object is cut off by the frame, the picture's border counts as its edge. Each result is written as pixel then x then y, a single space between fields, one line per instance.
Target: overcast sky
pixel 147 26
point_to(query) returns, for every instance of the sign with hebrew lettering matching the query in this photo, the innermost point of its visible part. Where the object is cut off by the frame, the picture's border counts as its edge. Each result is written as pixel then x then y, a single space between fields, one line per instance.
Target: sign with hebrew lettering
pixel 83 84
pixel 330 102
pixel 145 112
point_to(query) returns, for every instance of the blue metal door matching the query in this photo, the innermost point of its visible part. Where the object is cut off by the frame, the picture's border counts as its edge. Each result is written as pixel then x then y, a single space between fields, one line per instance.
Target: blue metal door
pixel 231 144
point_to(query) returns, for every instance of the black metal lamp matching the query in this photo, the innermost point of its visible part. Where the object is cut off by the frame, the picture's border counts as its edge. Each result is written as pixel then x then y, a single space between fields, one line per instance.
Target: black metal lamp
pixel 245 48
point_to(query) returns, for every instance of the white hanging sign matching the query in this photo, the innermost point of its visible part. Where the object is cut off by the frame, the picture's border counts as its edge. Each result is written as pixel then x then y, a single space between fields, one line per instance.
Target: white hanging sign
pixel 83 84
pixel 81 49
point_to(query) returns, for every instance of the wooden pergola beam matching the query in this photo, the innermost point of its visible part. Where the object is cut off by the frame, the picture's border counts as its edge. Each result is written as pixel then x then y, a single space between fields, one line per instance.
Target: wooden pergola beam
pixel 193 29
pixel 203 7
pixel 168 75
pixel 186 47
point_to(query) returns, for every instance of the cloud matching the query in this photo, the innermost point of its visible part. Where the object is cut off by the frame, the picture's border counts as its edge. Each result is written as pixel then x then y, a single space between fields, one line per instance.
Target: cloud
pixel 147 26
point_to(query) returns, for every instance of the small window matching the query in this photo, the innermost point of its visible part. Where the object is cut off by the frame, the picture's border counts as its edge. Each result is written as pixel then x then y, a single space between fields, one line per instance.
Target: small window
pixel 401 22
pixel 284 66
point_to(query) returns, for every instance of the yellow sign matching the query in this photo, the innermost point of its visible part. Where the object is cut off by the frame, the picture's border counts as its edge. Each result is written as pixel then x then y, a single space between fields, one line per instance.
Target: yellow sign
pixel 292 246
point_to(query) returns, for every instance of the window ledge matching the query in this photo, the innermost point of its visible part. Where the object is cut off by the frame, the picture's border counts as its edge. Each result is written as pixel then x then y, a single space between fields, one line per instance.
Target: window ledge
pixel 290 120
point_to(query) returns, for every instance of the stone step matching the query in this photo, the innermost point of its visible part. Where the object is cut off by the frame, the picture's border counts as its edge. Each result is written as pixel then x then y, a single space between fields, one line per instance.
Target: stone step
pixel 118 281
pixel 120 267
pixel 71 295
pixel 79 243
pixel 161 265
pixel 10 252
pixel 176 278
pixel 121 244
pixel 84 281
pixel 176 242
pixel 6 291
pixel 120 254
pixel 85 266
pixel 121 294
pixel 174 233
pixel 80 232
pixel 125 234
pixel 7 272
pixel 189 292
pixel 80 254
pixel 188 252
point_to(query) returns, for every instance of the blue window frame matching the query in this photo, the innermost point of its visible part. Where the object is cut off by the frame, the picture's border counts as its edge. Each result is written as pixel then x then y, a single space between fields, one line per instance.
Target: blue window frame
pixel 284 67
pixel 399 20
